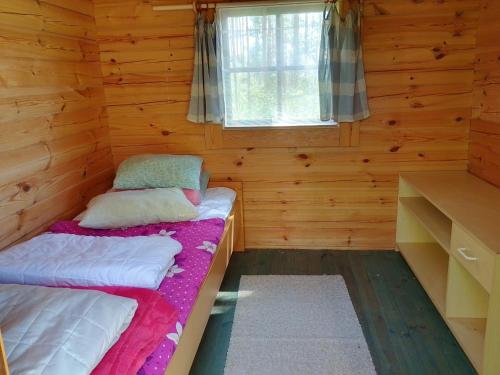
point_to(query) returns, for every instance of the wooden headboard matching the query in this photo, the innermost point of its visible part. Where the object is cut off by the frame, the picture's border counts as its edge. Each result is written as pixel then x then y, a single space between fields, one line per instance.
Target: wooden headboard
pixel 4 369
pixel 239 227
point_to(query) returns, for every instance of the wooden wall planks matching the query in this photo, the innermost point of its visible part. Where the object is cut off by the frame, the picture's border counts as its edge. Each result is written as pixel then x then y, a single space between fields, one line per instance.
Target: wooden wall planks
pixel 54 142
pixel 419 57
pixel 484 149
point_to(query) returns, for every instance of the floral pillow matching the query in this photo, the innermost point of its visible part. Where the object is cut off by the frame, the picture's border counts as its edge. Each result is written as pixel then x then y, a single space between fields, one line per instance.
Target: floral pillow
pixel 195 196
pixel 204 179
pixel 159 171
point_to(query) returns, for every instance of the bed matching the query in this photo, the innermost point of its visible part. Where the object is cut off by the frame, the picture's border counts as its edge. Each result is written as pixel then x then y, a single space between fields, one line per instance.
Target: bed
pixel 231 238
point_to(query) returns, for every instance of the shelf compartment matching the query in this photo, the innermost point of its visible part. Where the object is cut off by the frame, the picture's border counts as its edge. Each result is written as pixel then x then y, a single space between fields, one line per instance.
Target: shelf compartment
pixel 429 262
pixel 470 333
pixel 433 220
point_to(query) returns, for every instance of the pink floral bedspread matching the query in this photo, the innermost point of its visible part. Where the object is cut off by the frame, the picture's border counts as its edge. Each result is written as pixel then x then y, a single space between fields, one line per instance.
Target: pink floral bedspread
pixel 180 287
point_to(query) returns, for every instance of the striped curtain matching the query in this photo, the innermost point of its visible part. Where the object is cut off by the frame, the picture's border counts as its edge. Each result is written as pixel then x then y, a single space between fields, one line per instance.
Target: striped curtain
pixel 205 105
pixel 341 74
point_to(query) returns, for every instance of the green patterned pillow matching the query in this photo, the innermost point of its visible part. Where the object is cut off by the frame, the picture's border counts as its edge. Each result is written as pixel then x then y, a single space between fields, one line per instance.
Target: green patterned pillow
pixel 159 171
pixel 205 177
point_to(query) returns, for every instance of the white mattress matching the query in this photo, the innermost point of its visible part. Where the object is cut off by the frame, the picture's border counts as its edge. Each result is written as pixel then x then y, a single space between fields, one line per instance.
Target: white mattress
pixel 53 331
pixel 217 203
pixel 66 260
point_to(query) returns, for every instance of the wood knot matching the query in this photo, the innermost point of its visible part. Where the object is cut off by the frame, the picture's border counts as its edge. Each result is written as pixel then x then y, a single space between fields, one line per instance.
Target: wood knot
pixel 395 148
pixel 24 186
pixel 165 133
pixel 303 156
pixel 379 10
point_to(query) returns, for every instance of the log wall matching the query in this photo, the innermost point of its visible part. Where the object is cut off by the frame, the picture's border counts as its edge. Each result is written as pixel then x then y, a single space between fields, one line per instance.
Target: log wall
pixel 484 151
pixel 419 57
pixel 54 142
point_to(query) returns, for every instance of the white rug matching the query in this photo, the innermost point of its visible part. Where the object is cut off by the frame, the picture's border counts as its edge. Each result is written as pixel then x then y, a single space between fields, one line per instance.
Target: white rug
pixel 296 325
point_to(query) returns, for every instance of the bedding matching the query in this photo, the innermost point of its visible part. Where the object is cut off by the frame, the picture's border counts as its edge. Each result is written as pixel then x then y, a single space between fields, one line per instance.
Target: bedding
pixel 180 286
pixel 217 203
pixel 57 331
pixel 195 196
pixel 131 208
pixel 159 171
pixel 147 329
pixel 204 180
pixel 68 260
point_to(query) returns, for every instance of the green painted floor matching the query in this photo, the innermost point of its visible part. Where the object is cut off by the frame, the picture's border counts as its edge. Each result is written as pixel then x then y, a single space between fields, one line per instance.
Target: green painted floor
pixel 404 331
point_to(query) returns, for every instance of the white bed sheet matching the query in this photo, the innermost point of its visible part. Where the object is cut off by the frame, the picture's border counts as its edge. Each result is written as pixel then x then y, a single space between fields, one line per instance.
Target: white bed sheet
pixel 54 331
pixel 70 260
pixel 217 203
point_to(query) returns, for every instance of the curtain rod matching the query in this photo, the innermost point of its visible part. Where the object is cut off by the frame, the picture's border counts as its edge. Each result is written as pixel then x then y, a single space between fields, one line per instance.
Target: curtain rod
pixel 195 6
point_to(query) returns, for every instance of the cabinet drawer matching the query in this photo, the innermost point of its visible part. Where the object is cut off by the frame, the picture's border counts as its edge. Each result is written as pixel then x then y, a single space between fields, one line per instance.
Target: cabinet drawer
pixel 474 256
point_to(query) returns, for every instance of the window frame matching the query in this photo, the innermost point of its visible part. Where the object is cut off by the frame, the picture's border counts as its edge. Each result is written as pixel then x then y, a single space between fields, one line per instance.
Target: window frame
pixel 280 68
pixel 342 135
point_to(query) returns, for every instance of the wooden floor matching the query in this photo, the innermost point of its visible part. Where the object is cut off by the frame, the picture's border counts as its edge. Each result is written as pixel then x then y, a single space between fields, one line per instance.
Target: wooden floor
pixel 406 335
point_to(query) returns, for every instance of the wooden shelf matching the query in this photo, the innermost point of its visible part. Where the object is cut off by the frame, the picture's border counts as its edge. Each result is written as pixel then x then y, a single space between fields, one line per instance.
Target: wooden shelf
pixel 436 223
pixel 470 334
pixel 465 199
pixel 447 230
pixel 429 262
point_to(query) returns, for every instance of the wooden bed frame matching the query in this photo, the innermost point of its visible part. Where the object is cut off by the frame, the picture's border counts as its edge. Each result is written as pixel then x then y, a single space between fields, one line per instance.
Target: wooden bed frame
pixel 232 240
pixel 4 369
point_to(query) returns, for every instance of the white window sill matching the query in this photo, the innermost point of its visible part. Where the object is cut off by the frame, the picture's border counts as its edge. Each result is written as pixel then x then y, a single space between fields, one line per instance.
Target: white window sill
pixel 326 124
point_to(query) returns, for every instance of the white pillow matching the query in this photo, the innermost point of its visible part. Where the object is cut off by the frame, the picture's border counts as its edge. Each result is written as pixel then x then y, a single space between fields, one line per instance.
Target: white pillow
pixel 131 208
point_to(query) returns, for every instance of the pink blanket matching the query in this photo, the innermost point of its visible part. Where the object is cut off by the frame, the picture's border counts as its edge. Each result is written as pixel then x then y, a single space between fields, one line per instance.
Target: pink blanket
pixel 180 287
pixel 151 322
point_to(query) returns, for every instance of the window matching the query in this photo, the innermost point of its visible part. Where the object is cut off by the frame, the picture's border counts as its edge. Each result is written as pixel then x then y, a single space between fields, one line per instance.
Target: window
pixel 269 64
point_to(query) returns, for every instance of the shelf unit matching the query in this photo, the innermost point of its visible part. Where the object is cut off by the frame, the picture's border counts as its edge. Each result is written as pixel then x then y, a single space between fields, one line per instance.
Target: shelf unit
pixel 438 225
pixel 430 264
pixel 447 233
